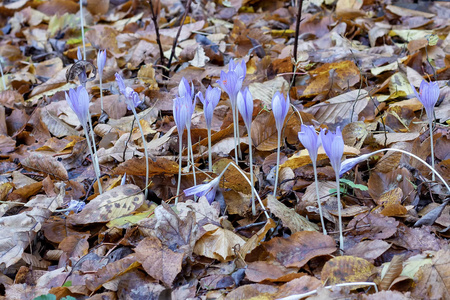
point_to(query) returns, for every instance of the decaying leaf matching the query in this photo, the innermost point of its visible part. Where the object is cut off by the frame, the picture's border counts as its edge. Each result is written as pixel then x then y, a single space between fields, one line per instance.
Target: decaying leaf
pixel 344 269
pixel 120 201
pixel 300 247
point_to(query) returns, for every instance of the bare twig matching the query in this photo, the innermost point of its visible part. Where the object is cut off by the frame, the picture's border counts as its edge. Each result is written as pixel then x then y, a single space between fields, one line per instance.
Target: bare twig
pixel 186 10
pixel 158 38
pixel 297 29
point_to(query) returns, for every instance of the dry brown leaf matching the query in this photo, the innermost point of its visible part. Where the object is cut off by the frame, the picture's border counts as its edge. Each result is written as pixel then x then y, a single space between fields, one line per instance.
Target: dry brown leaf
pixel 394 270
pixel 217 243
pixel 47 164
pixel 256 239
pixel 289 217
pixel 300 247
pixel 118 202
pixel 158 260
pixel 369 250
pixel 345 269
pixel 272 271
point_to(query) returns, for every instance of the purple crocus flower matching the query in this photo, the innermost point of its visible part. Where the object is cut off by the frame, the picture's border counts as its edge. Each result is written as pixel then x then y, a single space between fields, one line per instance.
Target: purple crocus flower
pixel 210 101
pixel 120 83
pixel 334 147
pixel 428 95
pixel 185 90
pixel 239 68
pixel 79 56
pixel 132 98
pixel 180 113
pixel 79 102
pixel 231 84
pixel 349 163
pixel 245 106
pixel 101 61
pixel 310 140
pixel 280 107
pixel 207 189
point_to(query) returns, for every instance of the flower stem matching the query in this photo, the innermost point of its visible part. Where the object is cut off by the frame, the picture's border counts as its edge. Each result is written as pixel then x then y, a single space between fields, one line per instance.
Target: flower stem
pixel 209 151
pixel 419 159
pixel 144 141
pixel 250 152
pixel 249 182
pixel 82 29
pixel 318 198
pixel 338 192
pixel 180 149
pixel 238 137
pixel 235 125
pixel 101 95
pixel 433 177
pixel 278 166
pixel 3 78
pixel 95 157
pixel 192 158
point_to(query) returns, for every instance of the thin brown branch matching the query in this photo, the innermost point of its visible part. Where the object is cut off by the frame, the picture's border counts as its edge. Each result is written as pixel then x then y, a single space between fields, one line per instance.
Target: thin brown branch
pixel 158 38
pixel 297 28
pixel 186 10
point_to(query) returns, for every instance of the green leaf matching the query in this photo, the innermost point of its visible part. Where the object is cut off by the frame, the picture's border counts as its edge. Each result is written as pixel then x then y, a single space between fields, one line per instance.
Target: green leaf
pixel 354 185
pixel 67 283
pixel 68 298
pixel 46 297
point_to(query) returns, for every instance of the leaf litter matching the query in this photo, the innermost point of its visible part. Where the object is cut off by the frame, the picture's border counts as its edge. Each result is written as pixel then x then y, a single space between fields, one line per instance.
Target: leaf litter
pixel 357 64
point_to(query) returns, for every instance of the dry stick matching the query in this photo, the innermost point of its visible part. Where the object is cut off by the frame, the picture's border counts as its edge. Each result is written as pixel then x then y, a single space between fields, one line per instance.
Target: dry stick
pixel 82 29
pixel 169 64
pixel 158 38
pixel 297 32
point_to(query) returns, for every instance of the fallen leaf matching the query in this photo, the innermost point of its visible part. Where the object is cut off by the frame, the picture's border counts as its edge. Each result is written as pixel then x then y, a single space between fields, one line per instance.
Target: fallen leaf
pixel 300 247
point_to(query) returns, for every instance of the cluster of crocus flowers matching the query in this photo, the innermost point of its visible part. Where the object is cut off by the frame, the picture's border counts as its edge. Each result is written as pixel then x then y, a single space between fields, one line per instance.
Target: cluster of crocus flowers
pixel 231 82
pixel 78 100
pixel 280 106
pixel 428 95
pixel 183 108
pixel 333 145
pixel 210 101
pixel 132 100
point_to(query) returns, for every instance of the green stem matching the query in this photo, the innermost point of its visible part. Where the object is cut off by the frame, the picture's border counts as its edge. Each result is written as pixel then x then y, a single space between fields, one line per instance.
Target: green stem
pixel 180 149
pixel 433 177
pixel 82 29
pixel 144 141
pixel 209 150
pixel 278 166
pixel 318 198
pixel 338 192
pixel 251 170
pixel 95 157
